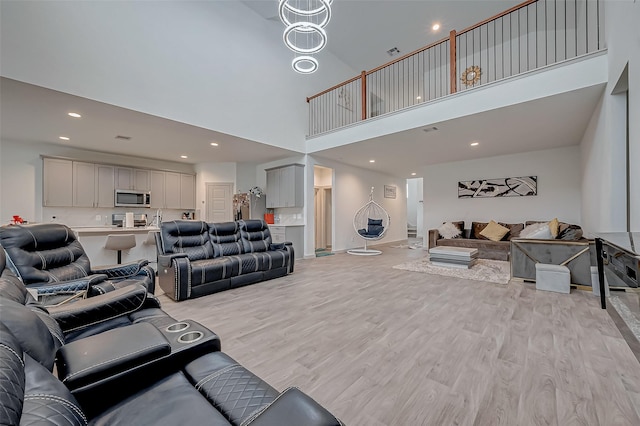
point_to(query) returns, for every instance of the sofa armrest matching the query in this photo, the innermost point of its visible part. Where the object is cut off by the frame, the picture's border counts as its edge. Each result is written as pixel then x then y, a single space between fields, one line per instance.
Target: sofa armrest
pixel 92 359
pixel 293 407
pixel 434 235
pixel 99 308
pixel 58 293
pixel 165 259
pixel 121 271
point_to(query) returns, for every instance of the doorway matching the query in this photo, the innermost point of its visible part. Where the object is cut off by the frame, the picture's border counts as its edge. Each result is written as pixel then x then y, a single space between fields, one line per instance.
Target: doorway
pixel 219 202
pixel 323 202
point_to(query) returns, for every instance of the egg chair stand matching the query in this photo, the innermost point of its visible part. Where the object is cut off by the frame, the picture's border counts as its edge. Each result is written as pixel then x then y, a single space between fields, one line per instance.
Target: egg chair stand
pixel 371 222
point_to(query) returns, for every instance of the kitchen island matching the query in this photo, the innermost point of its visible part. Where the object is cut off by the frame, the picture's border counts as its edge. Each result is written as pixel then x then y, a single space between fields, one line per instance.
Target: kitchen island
pixel 93 239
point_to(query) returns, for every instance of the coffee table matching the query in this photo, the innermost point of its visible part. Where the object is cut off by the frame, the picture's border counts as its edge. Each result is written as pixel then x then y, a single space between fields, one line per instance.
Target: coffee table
pixel 453 257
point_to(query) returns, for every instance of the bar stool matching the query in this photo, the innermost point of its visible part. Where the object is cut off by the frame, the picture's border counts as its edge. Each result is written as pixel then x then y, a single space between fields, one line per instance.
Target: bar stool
pixel 120 242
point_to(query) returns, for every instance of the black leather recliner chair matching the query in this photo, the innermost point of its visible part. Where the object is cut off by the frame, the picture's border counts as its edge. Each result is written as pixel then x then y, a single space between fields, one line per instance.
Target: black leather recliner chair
pixel 139 374
pixel 50 260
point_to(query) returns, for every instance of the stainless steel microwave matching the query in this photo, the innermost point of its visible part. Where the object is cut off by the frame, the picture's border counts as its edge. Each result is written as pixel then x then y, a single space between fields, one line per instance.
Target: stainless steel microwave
pixel 131 198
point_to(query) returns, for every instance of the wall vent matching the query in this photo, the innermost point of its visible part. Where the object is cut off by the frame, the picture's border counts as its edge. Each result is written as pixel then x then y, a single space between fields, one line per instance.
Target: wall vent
pixel 393 51
pixel 123 138
pixel 430 129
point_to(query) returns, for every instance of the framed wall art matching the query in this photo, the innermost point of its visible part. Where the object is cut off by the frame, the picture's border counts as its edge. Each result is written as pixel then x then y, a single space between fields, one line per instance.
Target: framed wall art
pixel 523 186
pixel 389 191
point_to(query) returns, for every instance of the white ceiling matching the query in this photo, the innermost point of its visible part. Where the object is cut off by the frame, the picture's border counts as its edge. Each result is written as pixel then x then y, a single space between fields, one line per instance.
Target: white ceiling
pixel 360 33
pixel 546 123
pixel 30 113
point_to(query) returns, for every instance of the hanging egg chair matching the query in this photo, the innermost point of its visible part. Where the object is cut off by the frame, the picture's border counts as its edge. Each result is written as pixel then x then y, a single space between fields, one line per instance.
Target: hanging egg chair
pixel 371 222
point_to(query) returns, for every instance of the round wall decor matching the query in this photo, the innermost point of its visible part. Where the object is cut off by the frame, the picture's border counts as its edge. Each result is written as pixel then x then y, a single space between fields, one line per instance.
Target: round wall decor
pixel 471 75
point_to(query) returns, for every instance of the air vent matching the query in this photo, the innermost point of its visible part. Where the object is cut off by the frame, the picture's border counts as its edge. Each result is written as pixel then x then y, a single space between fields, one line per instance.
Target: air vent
pixel 123 138
pixel 393 51
pixel 430 129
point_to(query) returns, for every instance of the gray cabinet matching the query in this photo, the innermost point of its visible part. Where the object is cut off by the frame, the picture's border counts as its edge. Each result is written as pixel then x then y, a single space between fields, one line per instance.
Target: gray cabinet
pixel 105 185
pixel 172 190
pixel 141 180
pixel 124 178
pixel 57 188
pixel 157 189
pixel 294 234
pixel 187 192
pixel 285 186
pixel 136 179
pixel 84 189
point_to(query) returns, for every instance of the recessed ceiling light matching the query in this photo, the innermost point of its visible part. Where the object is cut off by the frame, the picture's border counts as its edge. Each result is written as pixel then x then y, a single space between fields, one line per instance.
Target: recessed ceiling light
pixel 183 156
pixel 214 144
pixel 74 115
pixel 474 143
pixel 435 27
pixel 418 97
pixel 372 161
pixel 413 173
pixel 64 138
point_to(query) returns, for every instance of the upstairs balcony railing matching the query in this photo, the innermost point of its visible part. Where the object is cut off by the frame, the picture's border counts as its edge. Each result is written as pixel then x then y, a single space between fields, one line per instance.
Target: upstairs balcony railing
pixel 528 36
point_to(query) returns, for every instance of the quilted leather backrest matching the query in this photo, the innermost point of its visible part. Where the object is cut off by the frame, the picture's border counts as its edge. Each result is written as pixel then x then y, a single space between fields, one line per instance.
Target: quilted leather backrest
pixel 46 252
pixel 255 235
pixel 186 236
pixel 11 378
pixel 225 237
pixel 30 331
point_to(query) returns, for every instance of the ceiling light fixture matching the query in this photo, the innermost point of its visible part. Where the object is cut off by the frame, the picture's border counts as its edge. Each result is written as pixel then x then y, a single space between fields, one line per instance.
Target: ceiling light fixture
pixel 74 115
pixel 64 138
pixel 413 173
pixel 304 34
pixel 214 144
pixel 435 27
pixel 474 143
pixel 183 156
pixel 418 98
pixel 372 161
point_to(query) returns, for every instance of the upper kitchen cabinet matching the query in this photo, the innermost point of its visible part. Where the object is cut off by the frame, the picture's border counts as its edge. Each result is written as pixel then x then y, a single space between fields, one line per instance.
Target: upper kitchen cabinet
pixel 285 186
pixel 187 191
pixel 57 183
pixel 136 179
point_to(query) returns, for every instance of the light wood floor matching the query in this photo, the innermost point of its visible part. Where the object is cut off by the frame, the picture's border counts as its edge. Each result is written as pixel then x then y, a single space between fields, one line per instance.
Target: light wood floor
pixel 380 346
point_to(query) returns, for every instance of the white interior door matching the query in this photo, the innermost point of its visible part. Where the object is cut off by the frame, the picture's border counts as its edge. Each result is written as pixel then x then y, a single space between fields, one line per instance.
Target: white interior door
pixel 219 202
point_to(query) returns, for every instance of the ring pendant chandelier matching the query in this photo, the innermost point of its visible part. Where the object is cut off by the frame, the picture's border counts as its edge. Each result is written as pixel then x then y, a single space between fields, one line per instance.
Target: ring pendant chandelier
pixel 304 34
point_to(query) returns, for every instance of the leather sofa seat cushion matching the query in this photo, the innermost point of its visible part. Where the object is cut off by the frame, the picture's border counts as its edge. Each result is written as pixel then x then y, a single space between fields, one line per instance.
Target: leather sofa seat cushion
pixel 188 237
pixel 250 262
pixel 230 387
pixel 256 236
pixel 273 259
pixel 209 270
pixel 171 401
pixel 53 254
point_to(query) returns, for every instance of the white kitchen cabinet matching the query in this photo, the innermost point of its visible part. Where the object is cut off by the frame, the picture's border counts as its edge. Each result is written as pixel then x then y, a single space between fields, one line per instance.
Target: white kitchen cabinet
pixel 124 178
pixel 142 180
pixel 285 186
pixel 84 184
pixel 292 233
pixel 57 183
pixel 105 185
pixel 187 191
pixel 157 189
pixel 172 190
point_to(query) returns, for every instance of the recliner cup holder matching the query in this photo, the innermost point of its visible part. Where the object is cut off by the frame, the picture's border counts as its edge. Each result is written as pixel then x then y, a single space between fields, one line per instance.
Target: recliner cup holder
pixel 178 326
pixel 190 337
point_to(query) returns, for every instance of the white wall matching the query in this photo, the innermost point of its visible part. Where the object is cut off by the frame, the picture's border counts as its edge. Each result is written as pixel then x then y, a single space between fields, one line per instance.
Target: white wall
pixel 322 176
pixel 21 181
pixel 558 172
pixel 603 179
pixel 351 187
pixel 246 177
pixel 213 64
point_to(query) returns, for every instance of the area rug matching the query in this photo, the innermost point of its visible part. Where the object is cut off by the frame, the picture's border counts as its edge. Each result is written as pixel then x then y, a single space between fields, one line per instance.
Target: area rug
pixel 321 252
pixel 493 271
pixel 413 246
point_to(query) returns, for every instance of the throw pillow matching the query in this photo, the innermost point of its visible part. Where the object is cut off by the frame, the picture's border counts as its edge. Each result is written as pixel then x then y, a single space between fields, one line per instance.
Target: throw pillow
pixel 374 230
pixel 494 232
pixel 569 232
pixel 539 231
pixel 374 222
pixel 514 230
pixel 553 227
pixel 448 231
pixel 476 228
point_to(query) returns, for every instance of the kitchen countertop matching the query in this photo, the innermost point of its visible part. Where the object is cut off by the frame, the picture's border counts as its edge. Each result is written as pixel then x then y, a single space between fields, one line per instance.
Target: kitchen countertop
pixel 286 224
pixel 112 230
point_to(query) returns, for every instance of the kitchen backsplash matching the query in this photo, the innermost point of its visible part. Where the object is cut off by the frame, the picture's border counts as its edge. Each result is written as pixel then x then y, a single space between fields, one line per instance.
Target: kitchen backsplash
pixel 89 216
pixel 289 216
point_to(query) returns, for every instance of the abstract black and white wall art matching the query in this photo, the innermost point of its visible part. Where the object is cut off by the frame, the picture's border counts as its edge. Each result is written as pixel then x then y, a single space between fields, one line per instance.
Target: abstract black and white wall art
pixel 504 187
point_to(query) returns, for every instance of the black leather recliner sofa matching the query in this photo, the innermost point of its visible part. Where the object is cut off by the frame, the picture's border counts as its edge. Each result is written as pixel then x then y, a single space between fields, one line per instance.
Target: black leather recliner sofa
pixel 50 260
pixel 198 258
pixel 138 374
